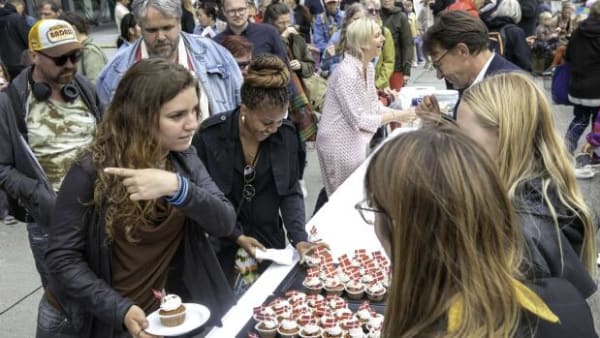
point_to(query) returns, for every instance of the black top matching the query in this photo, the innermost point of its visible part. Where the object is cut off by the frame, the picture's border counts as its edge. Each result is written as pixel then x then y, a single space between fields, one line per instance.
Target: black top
pixel 544 255
pixel 566 303
pixel 78 246
pixel 13 34
pixel 264 39
pixel 304 23
pixel 276 181
pixel 187 21
pixel 583 55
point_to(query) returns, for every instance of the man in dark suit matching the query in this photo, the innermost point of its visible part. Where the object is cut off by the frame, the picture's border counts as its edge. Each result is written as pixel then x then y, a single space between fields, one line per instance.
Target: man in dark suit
pixel 458 47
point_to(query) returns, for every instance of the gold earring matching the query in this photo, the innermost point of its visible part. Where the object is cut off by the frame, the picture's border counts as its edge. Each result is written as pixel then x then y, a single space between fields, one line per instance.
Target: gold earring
pixel 244 119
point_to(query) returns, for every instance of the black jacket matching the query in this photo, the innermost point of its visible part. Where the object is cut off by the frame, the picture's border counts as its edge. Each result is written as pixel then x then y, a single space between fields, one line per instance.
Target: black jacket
pixel 303 20
pixel 30 195
pixel 567 303
pixel 187 21
pixel 14 36
pixel 397 22
pixel 516 49
pixel 219 147
pixel 79 256
pixel 544 257
pixel 583 55
pixel 529 16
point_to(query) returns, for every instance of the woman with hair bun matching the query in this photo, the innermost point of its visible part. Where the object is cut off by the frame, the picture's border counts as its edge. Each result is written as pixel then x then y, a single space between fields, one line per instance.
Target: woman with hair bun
pixel 252 154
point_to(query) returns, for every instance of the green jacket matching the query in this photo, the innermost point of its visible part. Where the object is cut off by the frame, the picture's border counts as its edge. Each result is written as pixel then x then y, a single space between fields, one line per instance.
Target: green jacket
pixel 300 52
pixel 397 22
pixel 385 64
pixel 92 60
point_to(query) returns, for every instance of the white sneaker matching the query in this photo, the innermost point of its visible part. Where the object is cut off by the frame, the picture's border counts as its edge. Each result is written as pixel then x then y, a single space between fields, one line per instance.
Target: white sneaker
pixel 584 173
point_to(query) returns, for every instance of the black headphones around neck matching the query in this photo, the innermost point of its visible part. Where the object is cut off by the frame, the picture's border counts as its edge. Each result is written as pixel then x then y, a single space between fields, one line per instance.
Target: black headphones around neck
pixel 42 91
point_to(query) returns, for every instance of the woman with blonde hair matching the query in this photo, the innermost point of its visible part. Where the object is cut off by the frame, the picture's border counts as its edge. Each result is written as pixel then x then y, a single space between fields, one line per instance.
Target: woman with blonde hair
pixel 517 130
pixel 455 248
pixel 352 111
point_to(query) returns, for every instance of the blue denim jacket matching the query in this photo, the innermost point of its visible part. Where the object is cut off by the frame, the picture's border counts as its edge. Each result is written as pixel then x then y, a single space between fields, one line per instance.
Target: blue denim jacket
pixel 216 69
pixel 323 30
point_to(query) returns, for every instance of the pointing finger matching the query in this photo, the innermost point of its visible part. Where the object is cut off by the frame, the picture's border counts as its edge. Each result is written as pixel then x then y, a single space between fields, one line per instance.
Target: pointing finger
pixel 120 171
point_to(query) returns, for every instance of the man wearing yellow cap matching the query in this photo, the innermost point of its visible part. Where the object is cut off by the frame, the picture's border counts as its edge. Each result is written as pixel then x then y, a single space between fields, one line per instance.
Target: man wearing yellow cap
pixel 47 115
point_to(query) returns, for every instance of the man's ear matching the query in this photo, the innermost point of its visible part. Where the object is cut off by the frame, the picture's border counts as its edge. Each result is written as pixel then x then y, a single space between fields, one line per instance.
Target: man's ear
pixel 462 49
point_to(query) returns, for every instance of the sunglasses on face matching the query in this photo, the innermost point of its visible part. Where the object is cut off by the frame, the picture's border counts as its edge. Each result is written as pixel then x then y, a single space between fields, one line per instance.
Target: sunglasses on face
pixel 62 60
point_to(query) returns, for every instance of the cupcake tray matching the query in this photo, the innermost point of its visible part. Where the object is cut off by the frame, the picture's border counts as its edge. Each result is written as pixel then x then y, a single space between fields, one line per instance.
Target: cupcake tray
pixel 293 281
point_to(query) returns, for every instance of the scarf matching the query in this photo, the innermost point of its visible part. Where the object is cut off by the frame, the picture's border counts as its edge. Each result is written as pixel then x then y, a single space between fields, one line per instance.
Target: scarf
pixel 300 108
pixel 528 300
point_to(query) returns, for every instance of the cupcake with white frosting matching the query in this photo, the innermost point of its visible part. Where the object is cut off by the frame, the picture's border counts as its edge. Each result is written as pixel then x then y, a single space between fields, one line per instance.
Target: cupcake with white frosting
pixel 288 328
pixel 172 311
pixel 376 292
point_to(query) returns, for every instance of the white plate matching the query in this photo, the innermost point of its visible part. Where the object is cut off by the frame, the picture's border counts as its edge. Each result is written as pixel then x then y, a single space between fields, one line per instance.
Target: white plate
pixel 196 315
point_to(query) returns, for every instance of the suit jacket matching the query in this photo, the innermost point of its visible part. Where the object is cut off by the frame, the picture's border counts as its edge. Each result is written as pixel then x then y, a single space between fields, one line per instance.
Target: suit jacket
pixel 498 65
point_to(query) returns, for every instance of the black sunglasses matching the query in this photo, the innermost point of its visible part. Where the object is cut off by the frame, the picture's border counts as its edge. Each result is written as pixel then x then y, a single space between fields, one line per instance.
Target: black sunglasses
pixel 249 191
pixel 61 60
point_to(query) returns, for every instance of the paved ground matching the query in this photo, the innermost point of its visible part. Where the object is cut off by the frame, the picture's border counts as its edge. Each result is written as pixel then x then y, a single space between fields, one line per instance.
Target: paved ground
pixel 20 285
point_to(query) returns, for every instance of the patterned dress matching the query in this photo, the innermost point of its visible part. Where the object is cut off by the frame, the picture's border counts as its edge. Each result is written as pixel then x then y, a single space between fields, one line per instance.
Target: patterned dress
pixel 351 115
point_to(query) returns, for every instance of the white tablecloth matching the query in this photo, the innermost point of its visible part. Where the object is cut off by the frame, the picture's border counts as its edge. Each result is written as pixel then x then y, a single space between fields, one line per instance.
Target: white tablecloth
pixel 338 224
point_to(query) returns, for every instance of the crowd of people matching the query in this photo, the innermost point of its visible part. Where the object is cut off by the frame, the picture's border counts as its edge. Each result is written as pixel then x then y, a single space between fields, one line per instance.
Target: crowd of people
pixel 158 168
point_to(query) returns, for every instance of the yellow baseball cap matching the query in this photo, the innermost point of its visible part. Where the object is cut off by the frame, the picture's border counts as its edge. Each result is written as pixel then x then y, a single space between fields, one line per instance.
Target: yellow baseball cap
pixel 53 37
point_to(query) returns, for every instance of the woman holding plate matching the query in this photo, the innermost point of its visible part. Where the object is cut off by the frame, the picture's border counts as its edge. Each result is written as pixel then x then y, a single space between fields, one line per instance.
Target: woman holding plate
pixel 133 215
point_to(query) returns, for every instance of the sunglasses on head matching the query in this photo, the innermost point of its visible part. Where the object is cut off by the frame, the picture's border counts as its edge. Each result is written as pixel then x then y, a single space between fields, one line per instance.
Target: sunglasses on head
pixel 61 60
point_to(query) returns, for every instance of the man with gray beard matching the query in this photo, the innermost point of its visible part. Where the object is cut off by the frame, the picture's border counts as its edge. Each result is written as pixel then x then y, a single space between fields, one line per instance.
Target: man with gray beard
pixel 218 74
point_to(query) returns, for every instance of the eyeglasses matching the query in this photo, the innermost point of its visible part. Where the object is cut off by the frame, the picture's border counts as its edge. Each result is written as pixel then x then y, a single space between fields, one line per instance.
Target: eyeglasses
pixel 236 11
pixel 61 60
pixel 367 213
pixel 437 63
pixel 373 11
pixel 243 64
pixel 249 191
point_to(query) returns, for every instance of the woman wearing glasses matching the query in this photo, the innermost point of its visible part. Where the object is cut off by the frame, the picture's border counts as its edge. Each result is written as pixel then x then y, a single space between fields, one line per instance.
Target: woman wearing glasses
pixel 252 154
pixel 538 175
pixel 455 247
pixel 133 214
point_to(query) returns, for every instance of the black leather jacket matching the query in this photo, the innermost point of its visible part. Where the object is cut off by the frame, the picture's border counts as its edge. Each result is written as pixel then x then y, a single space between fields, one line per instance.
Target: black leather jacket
pixel 544 256
pixel 79 256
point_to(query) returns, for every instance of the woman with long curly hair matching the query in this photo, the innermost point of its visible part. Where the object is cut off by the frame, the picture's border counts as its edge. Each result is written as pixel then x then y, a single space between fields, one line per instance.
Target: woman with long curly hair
pixel 517 129
pixel 448 227
pixel 133 214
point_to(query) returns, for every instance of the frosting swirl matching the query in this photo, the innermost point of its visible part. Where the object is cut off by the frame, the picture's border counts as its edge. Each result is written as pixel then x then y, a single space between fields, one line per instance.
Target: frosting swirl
pixel 170 302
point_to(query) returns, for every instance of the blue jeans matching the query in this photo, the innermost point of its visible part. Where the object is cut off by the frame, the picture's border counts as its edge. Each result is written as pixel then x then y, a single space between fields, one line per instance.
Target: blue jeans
pixel 578 125
pixel 38 242
pixel 419 48
pixel 52 322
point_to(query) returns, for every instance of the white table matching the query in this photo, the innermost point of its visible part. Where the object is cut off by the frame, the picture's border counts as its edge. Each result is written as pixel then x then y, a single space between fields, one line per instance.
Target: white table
pixel 338 224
